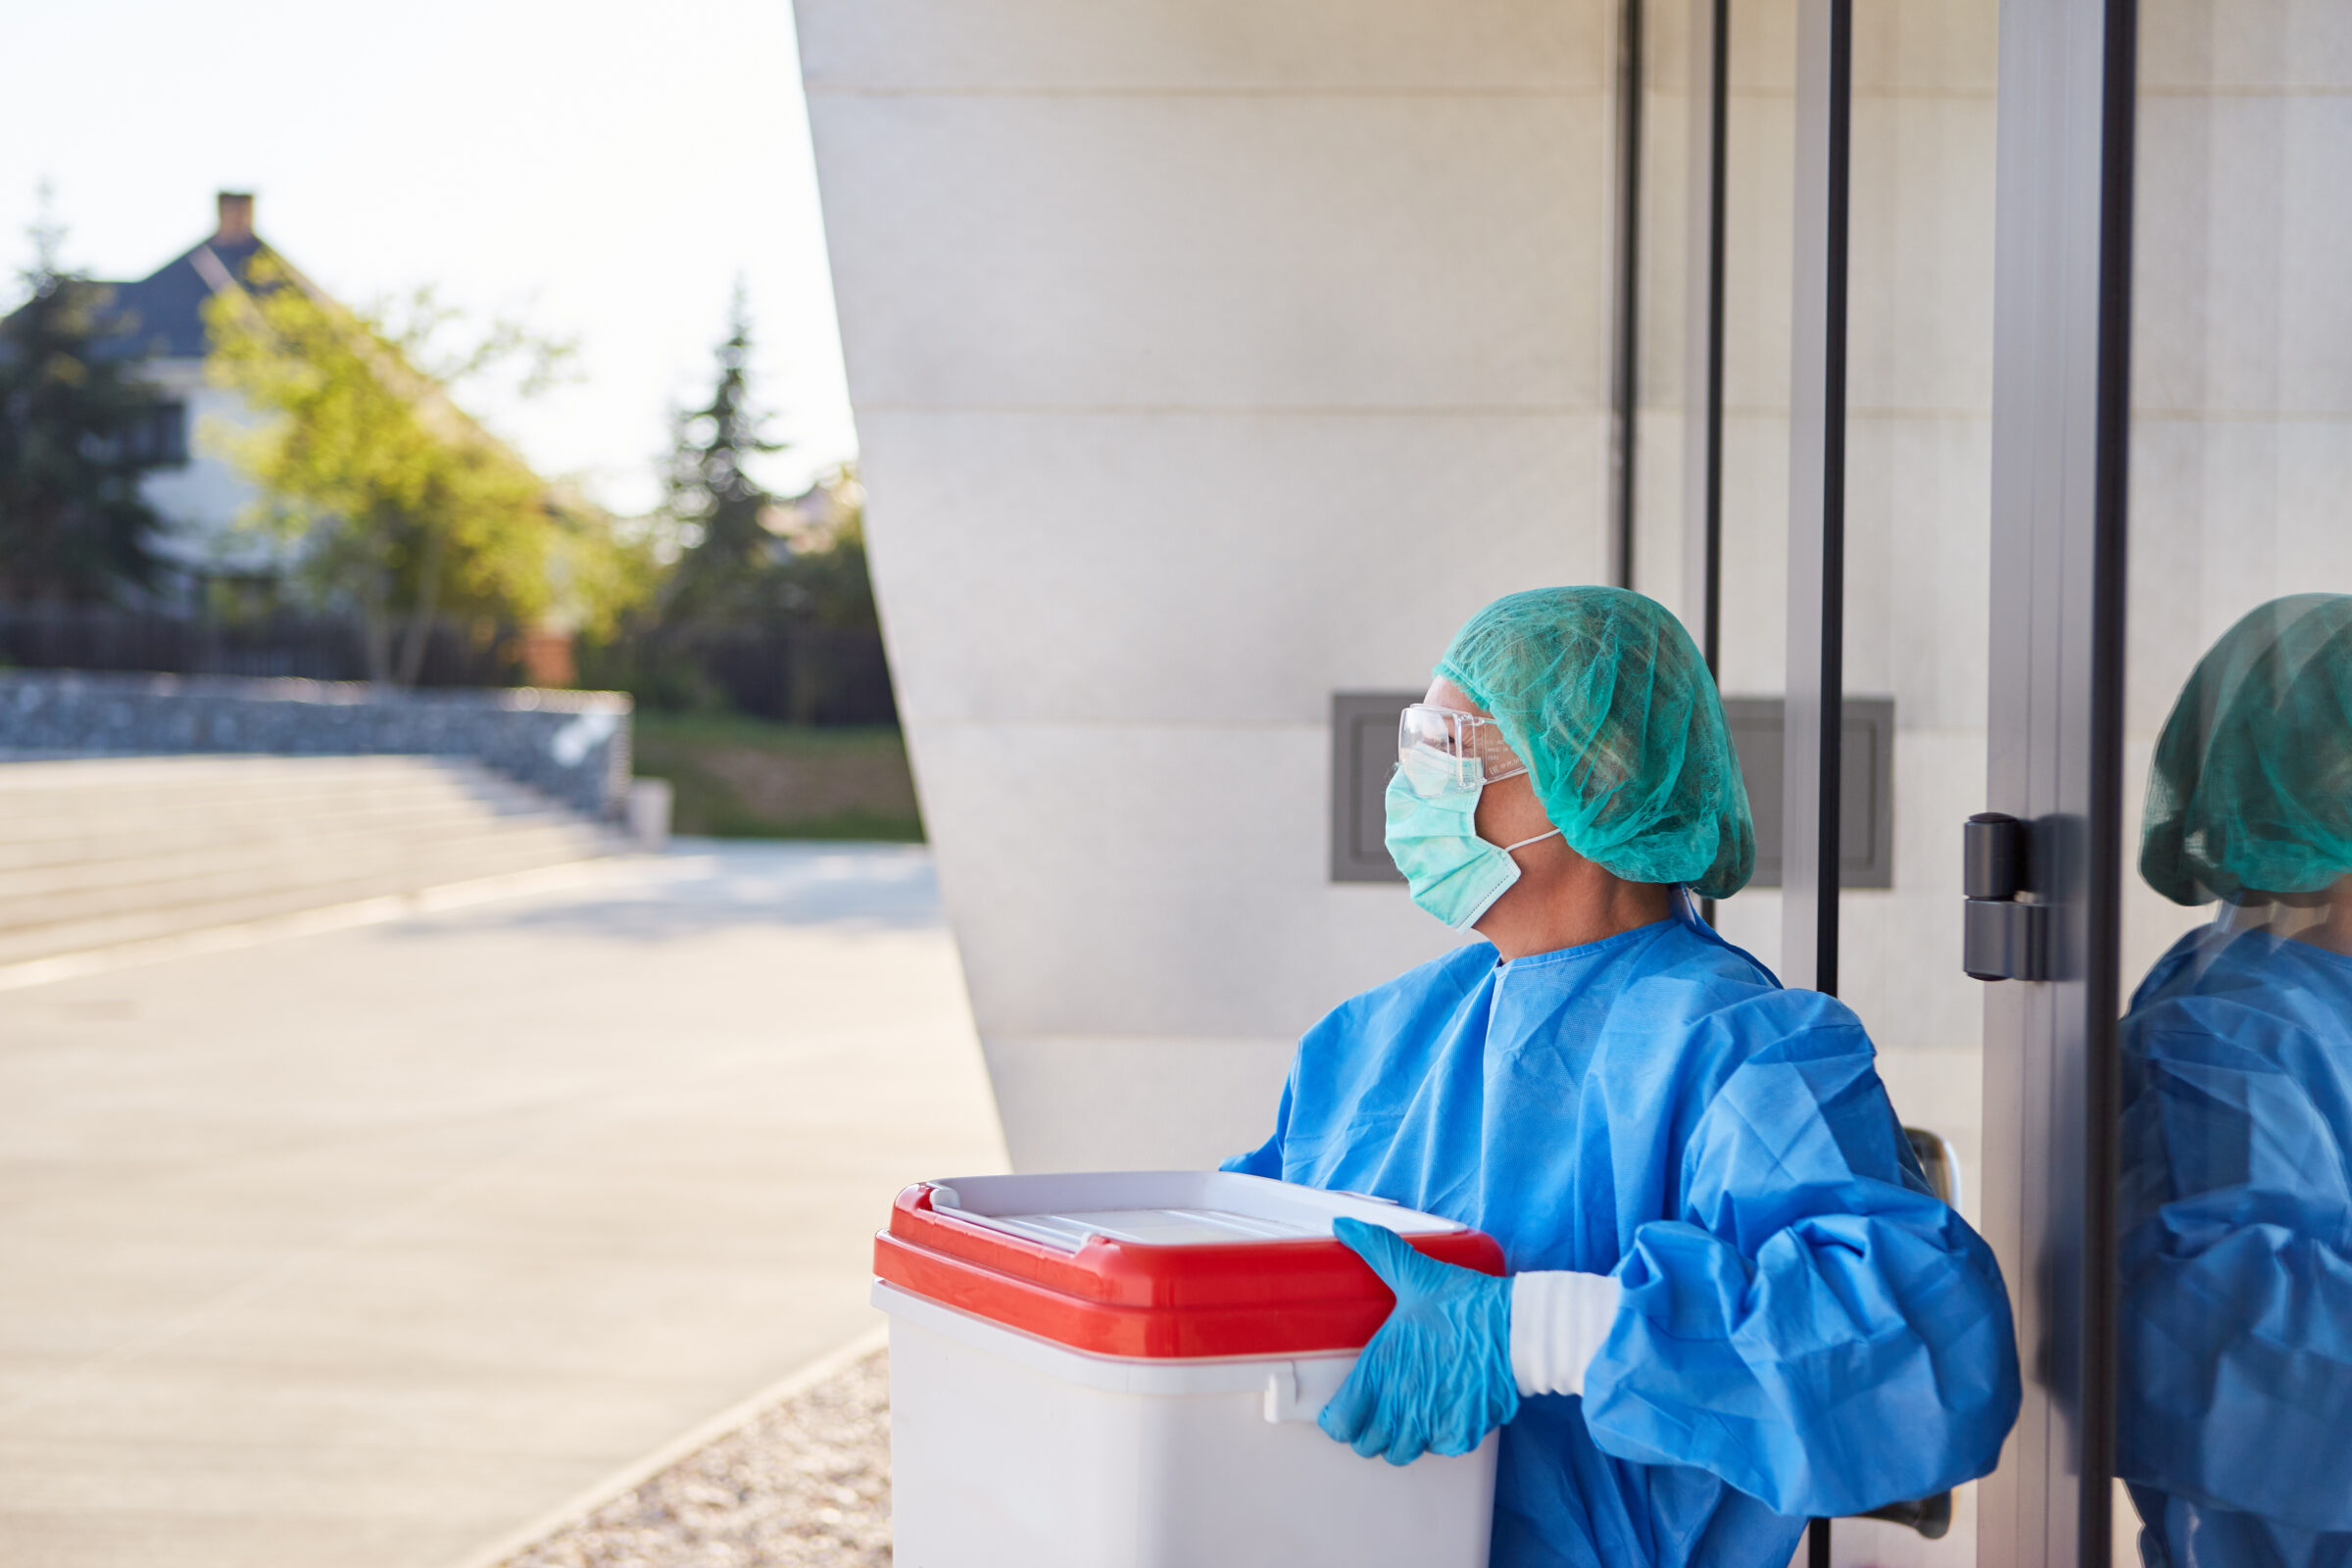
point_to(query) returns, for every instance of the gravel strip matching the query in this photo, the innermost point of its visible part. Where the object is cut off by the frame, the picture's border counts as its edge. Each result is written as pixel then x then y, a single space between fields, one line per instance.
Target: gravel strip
pixel 807 1482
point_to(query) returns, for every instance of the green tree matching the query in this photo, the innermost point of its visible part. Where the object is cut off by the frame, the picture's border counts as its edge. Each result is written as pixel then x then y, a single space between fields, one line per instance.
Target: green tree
pixel 750 559
pixel 752 574
pixel 73 525
pixel 400 505
pixel 719 512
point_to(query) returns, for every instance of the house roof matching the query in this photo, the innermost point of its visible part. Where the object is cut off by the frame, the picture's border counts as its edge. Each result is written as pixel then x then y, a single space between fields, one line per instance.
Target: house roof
pixel 163 314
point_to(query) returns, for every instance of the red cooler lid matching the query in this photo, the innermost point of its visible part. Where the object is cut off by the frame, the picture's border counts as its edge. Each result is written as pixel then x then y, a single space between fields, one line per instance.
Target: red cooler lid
pixel 1156 1263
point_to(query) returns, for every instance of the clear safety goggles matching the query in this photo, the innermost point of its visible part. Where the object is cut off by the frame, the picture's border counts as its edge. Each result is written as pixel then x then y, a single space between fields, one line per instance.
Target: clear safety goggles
pixel 1458 740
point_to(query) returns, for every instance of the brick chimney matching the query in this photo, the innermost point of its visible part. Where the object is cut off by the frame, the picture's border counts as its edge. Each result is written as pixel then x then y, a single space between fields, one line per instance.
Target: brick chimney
pixel 236 217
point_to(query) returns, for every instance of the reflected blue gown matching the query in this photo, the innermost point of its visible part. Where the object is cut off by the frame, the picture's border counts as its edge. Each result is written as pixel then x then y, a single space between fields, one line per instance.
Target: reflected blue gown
pixel 1804 1327
pixel 2235 1422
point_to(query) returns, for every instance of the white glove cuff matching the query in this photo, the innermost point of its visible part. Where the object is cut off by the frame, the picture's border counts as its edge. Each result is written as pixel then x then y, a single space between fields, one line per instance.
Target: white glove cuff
pixel 1558 1321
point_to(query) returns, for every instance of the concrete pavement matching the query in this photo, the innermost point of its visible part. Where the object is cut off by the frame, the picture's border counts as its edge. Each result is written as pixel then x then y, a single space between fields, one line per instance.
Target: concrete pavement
pixel 363 1248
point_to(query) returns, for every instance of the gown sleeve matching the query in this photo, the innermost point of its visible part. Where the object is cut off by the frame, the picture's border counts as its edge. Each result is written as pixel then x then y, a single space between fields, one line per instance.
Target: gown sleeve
pixel 1816 1328
pixel 2237 1306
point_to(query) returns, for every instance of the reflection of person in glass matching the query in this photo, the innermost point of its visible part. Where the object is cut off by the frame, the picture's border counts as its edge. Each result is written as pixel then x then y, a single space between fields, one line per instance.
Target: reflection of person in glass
pixel 2234 1420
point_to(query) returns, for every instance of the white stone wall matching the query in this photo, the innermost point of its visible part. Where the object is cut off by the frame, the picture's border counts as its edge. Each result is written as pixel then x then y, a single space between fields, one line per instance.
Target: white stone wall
pixel 1207 359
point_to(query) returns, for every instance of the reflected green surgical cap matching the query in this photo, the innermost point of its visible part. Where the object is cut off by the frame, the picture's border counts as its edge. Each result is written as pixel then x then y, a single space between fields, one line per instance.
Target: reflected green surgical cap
pixel 2251 785
pixel 1602 695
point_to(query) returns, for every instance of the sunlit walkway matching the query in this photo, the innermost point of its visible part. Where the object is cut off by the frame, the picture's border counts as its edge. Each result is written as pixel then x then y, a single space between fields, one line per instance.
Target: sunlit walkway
pixel 367 1247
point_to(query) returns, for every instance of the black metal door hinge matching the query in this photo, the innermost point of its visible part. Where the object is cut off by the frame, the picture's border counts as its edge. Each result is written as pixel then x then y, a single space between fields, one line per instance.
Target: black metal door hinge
pixel 2002 937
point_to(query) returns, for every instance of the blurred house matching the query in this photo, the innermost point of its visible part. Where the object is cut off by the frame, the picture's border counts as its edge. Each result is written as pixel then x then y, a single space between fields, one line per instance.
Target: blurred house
pixel 196 489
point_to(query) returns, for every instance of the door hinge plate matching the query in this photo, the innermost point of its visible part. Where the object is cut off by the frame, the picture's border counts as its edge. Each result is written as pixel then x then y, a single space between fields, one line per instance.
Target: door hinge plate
pixel 2002 939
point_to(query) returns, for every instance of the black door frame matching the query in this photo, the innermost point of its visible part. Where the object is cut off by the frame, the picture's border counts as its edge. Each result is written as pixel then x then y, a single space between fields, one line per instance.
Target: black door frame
pixel 1812 763
pixel 2061 443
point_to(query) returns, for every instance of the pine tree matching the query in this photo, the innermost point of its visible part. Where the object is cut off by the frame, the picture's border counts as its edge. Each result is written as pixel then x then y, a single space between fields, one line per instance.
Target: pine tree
pixel 73 527
pixel 718 507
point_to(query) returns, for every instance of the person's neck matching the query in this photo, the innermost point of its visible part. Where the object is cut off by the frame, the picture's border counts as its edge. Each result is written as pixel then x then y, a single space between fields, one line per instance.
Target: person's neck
pixel 1570 907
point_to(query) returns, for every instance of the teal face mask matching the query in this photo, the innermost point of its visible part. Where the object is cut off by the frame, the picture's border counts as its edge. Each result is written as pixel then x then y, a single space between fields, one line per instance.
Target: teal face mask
pixel 1433 837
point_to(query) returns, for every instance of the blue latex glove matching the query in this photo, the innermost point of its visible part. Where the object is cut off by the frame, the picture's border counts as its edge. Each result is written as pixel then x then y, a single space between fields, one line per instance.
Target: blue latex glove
pixel 1438 1375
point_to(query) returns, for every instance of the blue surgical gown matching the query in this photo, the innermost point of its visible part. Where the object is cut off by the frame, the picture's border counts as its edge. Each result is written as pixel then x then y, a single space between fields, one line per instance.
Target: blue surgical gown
pixel 2234 1420
pixel 1804 1327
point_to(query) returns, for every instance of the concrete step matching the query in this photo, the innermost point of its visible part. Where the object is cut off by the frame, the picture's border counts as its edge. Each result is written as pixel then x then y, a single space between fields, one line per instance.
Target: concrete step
pixel 165 857
pixel 409 868
pixel 77 936
pixel 93 836
pixel 195 778
pixel 39 816
pixel 106 850
pixel 98 772
pixel 418 860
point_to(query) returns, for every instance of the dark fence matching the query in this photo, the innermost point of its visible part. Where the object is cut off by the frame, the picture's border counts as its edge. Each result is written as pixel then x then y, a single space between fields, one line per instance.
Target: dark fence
pixel 306 647
pixel 796 674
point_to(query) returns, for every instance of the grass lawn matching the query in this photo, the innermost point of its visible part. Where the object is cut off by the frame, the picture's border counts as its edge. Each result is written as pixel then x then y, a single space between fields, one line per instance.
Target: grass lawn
pixel 747 778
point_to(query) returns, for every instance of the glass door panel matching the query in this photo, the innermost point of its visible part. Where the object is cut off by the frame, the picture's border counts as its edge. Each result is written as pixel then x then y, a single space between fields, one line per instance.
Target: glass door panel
pixel 1915 500
pixel 1916 517
pixel 2234 1339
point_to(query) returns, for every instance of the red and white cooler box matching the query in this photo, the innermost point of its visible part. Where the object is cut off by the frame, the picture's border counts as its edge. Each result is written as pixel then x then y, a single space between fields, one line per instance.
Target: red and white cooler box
pixel 1124 1370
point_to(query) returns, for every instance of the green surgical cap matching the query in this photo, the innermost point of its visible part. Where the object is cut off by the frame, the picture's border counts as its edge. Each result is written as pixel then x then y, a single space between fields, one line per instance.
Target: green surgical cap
pixel 2251 787
pixel 1602 695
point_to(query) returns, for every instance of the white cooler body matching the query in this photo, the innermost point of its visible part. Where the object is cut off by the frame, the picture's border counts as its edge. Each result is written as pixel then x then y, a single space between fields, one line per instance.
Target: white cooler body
pixel 1009 1451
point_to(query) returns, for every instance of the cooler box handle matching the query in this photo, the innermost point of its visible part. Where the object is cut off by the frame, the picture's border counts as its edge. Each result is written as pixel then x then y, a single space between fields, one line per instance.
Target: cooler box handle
pixel 1298 1390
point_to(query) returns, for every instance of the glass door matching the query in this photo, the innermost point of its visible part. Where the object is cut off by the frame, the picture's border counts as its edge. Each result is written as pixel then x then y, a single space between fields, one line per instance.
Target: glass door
pixel 2068 437
pixel 2168 1060
pixel 1838 275
pixel 2232 1332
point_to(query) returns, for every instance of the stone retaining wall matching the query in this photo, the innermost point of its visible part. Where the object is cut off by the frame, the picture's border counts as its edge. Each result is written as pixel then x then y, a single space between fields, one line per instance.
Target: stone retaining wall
pixel 572 745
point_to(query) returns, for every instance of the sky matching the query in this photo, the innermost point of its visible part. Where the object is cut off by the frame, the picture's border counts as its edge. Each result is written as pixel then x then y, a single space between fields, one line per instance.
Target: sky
pixel 606 171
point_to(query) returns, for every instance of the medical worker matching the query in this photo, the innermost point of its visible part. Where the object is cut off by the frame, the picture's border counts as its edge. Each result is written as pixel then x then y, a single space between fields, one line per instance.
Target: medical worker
pixel 2235 1419
pixel 1732 1303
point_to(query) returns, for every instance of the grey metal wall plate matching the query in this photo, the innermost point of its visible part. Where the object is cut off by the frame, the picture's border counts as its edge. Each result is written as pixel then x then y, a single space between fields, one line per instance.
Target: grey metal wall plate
pixel 1363 754
pixel 1865 793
